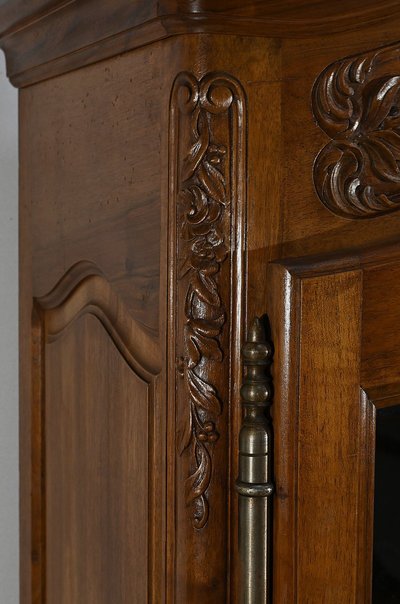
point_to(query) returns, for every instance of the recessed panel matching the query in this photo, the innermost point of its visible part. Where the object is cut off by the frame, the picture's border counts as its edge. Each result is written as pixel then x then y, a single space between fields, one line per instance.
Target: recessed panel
pixel 96 471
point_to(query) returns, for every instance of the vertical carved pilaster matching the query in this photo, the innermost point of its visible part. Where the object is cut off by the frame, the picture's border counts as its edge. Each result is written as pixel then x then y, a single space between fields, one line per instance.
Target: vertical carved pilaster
pixel 207 199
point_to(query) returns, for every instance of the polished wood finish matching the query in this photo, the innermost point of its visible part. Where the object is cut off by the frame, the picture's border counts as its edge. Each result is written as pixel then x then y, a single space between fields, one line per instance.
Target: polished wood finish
pixel 122 25
pixel 186 166
pixel 335 361
pixel 355 102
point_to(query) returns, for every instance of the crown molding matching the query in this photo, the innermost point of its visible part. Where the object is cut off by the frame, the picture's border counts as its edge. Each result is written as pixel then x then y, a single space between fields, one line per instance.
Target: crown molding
pixel 45 38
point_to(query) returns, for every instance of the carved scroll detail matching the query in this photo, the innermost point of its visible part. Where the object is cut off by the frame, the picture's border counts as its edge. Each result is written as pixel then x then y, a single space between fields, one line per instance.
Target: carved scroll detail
pixel 356 101
pixel 210 113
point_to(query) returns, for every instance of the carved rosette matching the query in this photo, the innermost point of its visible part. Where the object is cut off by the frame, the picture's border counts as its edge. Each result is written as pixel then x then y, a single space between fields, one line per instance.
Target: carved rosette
pixel 207 120
pixel 357 103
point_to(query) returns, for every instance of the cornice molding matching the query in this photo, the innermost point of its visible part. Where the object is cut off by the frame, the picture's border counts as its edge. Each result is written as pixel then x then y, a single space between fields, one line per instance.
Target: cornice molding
pixel 45 38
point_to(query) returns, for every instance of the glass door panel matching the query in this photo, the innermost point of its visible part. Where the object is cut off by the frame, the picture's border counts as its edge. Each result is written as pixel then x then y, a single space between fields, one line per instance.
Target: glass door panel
pixel 386 555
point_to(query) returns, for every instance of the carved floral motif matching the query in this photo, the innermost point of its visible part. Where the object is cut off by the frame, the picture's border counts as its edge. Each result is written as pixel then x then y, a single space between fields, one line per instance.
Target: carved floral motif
pixel 357 103
pixel 203 231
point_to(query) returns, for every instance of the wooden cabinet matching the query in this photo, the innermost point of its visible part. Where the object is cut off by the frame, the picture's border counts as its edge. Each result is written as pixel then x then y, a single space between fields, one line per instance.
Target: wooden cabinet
pixel 185 167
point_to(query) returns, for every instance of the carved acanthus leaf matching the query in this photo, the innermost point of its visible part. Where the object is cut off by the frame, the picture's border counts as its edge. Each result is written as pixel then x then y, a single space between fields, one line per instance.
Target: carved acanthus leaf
pixel 357 103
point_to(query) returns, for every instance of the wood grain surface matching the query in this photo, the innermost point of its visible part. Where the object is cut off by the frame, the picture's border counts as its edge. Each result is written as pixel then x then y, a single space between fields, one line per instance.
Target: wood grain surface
pixel 70 37
pixel 167 196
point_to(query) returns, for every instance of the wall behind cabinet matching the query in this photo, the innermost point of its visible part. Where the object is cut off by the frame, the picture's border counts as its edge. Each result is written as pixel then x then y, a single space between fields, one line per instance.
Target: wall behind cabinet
pixel 8 341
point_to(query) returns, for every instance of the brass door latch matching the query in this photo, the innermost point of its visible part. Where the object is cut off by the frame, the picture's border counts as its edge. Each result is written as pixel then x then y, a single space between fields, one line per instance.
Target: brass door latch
pixel 254 484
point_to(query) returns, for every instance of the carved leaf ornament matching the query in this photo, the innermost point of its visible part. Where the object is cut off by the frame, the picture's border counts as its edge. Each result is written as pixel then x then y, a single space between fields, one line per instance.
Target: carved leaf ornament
pixel 203 247
pixel 357 103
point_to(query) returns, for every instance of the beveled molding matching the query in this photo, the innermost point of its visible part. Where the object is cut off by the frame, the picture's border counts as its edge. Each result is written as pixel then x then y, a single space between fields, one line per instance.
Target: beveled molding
pixel 356 102
pixel 207 236
pixel 45 38
pixel 84 289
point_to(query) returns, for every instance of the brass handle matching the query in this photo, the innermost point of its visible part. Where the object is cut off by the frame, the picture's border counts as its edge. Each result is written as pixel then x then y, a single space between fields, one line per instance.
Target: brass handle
pixel 254 484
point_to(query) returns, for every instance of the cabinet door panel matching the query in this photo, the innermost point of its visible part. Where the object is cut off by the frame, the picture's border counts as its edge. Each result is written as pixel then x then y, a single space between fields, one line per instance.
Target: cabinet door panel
pixel 97 505
pixel 97 415
pixel 332 318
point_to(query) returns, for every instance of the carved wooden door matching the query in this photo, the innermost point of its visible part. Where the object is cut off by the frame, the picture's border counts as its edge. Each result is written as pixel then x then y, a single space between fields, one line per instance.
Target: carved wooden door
pixel 336 371
pixel 335 321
